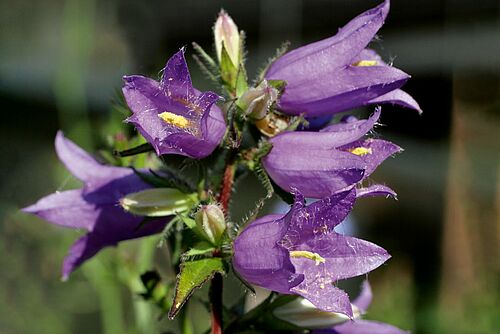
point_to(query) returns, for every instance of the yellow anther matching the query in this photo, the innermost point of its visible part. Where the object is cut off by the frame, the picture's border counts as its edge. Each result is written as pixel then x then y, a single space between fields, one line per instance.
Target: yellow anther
pixel 177 120
pixel 361 151
pixel 365 63
pixel 308 255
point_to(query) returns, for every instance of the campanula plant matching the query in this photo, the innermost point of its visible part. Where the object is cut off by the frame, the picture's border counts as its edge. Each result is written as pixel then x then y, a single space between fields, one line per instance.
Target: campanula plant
pixel 320 168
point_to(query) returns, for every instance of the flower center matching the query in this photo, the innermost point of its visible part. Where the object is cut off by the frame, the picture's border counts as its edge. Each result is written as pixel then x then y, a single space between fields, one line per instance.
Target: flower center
pixel 361 151
pixel 173 119
pixel 365 63
pixel 308 255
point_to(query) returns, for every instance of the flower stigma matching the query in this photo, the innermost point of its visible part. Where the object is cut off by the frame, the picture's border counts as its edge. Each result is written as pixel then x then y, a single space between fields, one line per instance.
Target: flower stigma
pixel 176 120
pixel 361 151
pixel 364 63
pixel 308 255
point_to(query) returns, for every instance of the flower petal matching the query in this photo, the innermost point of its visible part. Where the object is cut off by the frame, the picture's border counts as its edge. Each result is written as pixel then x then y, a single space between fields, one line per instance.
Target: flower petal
pixel 362 327
pixel 397 97
pixel 347 132
pixel 364 298
pixel 324 296
pixel 331 53
pixel 309 162
pixel 82 165
pixel 344 257
pixel 376 190
pixel 260 260
pixel 375 152
pixel 318 218
pixel 112 226
pixel 65 208
pixel 176 80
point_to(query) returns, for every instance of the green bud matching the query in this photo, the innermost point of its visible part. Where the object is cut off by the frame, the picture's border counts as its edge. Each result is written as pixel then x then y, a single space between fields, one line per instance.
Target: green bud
pixel 211 222
pixel 158 202
pixel 303 313
pixel 226 34
pixel 257 100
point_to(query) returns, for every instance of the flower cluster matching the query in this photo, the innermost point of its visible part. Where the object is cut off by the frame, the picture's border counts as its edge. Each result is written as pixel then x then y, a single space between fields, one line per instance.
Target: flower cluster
pixel 263 129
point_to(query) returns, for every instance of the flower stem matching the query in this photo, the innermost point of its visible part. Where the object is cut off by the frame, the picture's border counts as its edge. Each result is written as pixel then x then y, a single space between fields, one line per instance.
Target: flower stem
pixel 216 302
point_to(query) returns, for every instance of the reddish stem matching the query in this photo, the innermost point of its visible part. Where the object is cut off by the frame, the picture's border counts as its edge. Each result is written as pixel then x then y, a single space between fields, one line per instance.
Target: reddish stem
pixel 227 187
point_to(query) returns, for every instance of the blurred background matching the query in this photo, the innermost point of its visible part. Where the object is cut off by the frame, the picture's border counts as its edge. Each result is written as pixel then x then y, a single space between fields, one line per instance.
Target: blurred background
pixel 61 63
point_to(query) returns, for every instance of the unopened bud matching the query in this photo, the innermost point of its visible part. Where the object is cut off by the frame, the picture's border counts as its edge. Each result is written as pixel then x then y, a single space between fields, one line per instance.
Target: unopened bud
pixel 211 222
pixel 158 202
pixel 257 101
pixel 226 32
pixel 303 313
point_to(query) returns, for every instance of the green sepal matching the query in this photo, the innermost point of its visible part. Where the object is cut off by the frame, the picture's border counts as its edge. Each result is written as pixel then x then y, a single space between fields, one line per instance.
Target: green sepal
pixel 192 276
pixel 201 248
pixel 228 71
pixel 279 52
pixel 208 61
pixel 143 148
pixel 158 202
pixel 277 84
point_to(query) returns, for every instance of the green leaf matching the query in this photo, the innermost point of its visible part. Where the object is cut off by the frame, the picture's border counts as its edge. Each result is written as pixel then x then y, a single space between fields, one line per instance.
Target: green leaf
pixel 192 276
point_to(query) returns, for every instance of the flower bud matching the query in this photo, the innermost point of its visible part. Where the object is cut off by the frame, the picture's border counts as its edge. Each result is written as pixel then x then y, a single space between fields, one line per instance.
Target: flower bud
pixel 211 222
pixel 157 202
pixel 303 313
pixel 257 101
pixel 226 33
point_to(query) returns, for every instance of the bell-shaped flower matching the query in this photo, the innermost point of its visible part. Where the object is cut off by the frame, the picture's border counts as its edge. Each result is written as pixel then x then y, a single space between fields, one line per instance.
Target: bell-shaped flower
pixel 173 116
pixel 94 207
pixel 338 73
pixel 300 253
pixel 319 164
pixel 359 326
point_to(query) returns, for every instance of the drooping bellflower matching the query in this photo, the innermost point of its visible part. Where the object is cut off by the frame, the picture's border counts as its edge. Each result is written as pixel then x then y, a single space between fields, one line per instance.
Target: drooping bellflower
pixel 94 207
pixel 319 164
pixel 339 73
pixel 300 253
pixel 173 116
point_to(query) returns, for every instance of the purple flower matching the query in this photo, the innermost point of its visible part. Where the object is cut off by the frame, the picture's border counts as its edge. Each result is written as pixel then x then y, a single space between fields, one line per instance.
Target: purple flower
pixel 94 207
pixel 173 116
pixel 318 164
pixel 361 326
pixel 338 73
pixel 300 253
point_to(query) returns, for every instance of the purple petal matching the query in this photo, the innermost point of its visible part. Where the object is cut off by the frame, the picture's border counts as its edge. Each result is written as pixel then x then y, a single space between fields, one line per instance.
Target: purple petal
pixel 362 327
pixel 309 162
pixel 176 80
pixel 376 190
pixel 260 260
pixel 365 297
pixel 331 53
pixel 397 97
pixel 324 295
pixel 347 132
pixel 112 226
pixel 82 165
pixel 345 257
pixel 378 151
pixel 65 208
pixel 327 93
pixel 318 218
